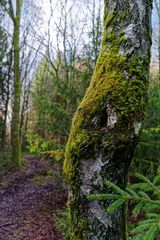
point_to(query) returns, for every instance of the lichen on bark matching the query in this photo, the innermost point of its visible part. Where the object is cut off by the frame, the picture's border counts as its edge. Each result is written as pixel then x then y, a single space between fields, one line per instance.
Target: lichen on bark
pixel 104 131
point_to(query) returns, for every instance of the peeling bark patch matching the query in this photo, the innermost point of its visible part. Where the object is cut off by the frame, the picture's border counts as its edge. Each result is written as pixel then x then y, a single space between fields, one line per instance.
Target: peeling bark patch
pixel 137 126
pixel 130 34
pixel 112 116
pixel 141 8
pixel 90 174
pixel 99 212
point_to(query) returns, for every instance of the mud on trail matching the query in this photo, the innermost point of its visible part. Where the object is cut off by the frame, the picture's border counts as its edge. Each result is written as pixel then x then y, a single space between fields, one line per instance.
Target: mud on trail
pixel 28 201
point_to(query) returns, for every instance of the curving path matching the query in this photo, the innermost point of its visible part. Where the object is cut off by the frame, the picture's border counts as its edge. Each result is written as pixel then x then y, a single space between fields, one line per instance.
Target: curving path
pixel 27 208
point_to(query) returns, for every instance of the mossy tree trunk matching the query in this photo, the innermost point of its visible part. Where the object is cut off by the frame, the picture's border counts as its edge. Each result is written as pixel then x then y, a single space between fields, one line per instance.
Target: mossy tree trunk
pixel 15 137
pixel 106 126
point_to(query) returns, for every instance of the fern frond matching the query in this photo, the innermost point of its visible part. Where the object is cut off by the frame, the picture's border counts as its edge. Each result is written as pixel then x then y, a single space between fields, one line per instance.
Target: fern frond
pixel 136 210
pixel 146 180
pixel 146 198
pixel 140 228
pixel 115 205
pixel 143 178
pixel 150 235
pixel 156 180
pixel 148 207
pixel 153 215
pixel 150 221
pixel 142 186
pixel 116 188
pixel 144 195
pixel 132 192
pixel 103 196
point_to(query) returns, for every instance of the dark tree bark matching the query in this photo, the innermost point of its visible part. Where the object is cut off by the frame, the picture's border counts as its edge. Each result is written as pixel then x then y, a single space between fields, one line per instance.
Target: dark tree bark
pixel 106 126
pixel 5 78
pixel 9 73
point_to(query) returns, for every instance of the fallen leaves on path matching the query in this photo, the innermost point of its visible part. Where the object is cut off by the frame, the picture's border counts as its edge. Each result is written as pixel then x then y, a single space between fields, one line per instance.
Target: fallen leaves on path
pixel 27 209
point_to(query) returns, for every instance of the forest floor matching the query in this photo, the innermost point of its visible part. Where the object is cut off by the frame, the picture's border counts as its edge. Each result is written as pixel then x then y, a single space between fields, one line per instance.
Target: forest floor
pixel 28 201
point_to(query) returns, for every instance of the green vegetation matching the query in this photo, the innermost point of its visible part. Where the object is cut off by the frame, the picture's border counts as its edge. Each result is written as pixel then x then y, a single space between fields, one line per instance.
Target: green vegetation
pixel 62 221
pixel 118 90
pixel 143 197
pixel 142 194
pixel 43 176
pixel 4 161
pixel 146 159
pixel 75 105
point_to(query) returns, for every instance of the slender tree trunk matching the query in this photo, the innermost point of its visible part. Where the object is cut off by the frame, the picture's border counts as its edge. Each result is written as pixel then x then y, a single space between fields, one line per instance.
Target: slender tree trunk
pixel 7 102
pixel 3 138
pixel 16 152
pixel 24 113
pixel 106 126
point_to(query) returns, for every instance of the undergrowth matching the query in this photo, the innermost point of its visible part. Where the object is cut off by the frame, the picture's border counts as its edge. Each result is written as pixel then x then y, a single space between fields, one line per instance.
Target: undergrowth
pixel 63 224
pixel 5 158
pixel 145 198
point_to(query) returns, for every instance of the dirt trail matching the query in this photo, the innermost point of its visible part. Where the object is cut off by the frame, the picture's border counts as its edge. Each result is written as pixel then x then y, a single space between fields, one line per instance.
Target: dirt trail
pixel 27 208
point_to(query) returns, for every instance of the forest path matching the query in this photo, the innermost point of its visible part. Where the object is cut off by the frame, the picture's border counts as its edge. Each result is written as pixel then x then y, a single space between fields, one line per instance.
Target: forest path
pixel 28 201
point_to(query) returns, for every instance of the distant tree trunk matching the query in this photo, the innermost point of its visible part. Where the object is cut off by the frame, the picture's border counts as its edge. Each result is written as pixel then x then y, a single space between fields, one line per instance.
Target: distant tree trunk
pixel 3 138
pixel 24 111
pixel 16 152
pixel 106 126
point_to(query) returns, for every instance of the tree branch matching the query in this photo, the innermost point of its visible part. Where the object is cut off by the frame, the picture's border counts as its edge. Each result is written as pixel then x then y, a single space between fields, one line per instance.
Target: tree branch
pixel 11 11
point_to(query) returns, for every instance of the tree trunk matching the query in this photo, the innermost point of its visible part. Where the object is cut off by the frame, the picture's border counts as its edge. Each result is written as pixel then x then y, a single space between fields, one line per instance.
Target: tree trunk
pixel 3 138
pixel 16 152
pixel 106 126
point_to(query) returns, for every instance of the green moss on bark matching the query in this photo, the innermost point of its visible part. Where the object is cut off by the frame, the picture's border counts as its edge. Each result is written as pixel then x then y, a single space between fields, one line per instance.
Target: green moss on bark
pixel 112 84
pixel 117 93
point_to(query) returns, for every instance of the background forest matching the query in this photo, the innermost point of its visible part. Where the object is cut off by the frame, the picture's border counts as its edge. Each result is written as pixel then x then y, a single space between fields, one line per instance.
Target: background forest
pixel 59 43
pixel 57 58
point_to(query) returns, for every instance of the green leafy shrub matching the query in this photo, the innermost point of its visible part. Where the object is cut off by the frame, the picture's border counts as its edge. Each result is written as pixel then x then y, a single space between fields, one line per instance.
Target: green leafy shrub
pixel 147 155
pixel 145 197
pixel 43 176
pixel 63 223
pixel 48 149
pixel 33 143
pixel 5 158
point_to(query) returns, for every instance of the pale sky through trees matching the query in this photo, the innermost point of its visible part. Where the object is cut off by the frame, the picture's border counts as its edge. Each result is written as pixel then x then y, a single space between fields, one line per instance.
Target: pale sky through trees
pixel 79 11
pixel 155 31
pixel 77 15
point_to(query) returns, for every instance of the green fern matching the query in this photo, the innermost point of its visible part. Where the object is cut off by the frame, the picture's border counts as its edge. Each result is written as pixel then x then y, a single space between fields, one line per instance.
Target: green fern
pixel 145 196
pixel 115 205
pixel 62 222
